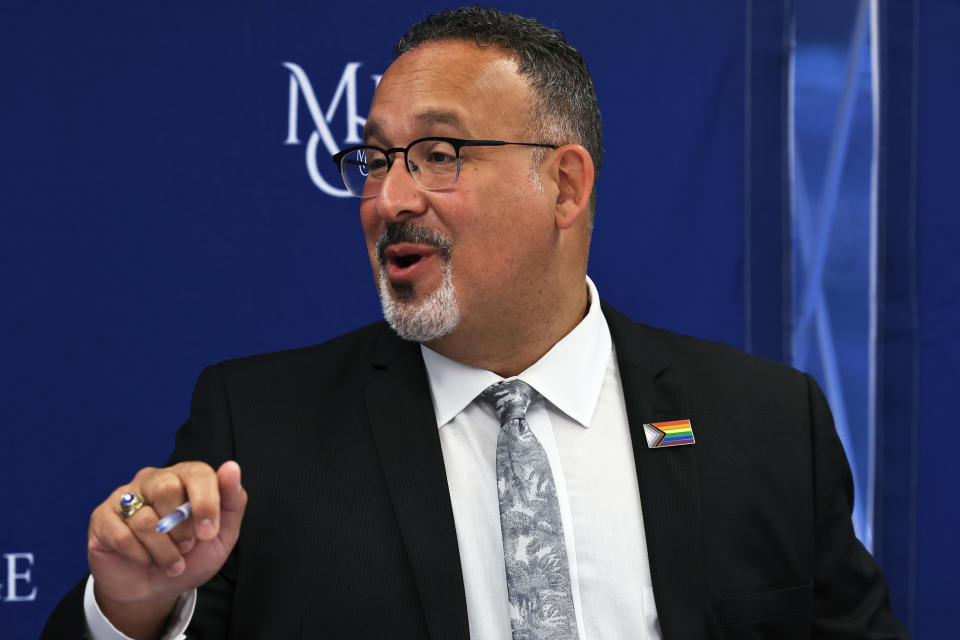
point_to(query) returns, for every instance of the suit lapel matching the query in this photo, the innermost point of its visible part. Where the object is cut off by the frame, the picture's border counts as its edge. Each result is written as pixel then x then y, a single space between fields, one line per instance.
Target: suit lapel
pixel 404 429
pixel 669 488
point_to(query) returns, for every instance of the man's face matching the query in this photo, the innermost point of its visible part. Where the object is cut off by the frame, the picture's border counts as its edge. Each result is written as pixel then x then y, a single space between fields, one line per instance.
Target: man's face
pixel 482 244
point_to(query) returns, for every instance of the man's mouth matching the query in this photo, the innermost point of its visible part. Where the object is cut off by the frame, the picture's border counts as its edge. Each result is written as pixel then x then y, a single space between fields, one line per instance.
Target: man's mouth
pixel 405 260
pixel 405 250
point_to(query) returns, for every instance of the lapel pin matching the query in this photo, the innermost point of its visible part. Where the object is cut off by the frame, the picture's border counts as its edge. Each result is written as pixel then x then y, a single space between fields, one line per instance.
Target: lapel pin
pixel 668 434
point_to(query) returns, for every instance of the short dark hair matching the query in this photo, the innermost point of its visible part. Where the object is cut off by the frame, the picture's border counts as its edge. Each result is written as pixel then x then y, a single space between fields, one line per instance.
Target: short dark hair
pixel 565 108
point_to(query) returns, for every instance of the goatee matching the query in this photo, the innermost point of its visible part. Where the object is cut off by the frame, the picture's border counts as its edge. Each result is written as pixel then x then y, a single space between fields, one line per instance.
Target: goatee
pixel 438 314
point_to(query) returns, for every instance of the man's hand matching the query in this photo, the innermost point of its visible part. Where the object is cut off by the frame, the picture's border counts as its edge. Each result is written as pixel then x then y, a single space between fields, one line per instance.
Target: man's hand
pixel 138 572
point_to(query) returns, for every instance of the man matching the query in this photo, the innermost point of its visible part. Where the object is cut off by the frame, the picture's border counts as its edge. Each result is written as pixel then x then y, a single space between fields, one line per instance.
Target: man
pixel 403 490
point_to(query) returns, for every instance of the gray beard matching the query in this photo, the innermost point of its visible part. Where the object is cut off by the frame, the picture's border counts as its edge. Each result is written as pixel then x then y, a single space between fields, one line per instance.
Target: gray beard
pixel 435 316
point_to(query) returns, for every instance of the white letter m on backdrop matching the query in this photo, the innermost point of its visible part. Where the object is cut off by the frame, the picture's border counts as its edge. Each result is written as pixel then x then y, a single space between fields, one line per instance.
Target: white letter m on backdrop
pixel 346 92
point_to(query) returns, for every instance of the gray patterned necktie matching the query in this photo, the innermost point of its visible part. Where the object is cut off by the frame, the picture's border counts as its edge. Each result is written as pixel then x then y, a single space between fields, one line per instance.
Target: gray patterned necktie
pixel 538 576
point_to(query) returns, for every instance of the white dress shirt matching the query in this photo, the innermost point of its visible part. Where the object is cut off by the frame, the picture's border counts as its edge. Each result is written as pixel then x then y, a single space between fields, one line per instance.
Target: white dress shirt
pixel 581 421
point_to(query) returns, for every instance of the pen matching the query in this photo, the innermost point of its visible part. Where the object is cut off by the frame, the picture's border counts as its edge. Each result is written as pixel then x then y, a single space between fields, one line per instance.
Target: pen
pixel 177 516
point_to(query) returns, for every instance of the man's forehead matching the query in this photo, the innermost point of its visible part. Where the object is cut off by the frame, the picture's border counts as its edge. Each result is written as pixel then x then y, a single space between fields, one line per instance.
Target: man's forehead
pixel 447 83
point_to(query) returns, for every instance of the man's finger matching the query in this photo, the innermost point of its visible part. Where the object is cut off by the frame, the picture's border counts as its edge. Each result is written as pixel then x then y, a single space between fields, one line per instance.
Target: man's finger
pixel 233 500
pixel 203 492
pixel 164 490
pixel 110 534
pixel 162 549
pixel 169 488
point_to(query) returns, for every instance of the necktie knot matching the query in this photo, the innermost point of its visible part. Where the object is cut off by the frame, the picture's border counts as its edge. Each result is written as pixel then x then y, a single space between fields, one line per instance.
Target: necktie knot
pixel 510 399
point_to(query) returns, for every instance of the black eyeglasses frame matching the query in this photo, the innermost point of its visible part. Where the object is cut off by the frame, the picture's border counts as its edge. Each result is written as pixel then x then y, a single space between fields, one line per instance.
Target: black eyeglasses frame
pixel 456 143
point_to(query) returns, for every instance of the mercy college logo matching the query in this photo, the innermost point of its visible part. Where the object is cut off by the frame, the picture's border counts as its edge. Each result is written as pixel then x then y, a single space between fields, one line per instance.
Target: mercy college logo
pixel 346 94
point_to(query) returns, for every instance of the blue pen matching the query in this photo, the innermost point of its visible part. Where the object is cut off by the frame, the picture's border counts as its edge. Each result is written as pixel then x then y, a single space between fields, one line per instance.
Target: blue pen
pixel 178 515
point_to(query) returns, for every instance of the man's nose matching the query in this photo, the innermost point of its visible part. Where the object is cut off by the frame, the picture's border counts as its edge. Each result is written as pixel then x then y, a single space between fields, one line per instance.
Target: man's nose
pixel 400 196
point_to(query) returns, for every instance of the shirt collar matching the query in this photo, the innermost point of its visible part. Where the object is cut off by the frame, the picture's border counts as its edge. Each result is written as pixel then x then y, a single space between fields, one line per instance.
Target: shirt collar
pixel 569 375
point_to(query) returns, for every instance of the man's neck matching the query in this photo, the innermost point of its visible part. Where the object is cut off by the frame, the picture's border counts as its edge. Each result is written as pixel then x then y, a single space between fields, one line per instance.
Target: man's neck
pixel 509 348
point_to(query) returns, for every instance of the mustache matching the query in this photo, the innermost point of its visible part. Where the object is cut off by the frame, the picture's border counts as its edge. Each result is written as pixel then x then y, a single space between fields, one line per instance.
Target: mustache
pixel 408 232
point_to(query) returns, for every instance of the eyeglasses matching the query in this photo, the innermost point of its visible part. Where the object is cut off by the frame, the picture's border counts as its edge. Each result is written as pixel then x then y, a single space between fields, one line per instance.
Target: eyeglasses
pixel 434 163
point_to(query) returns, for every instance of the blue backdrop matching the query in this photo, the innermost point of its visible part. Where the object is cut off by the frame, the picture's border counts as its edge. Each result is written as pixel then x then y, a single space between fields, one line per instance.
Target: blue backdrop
pixel 919 337
pixel 158 213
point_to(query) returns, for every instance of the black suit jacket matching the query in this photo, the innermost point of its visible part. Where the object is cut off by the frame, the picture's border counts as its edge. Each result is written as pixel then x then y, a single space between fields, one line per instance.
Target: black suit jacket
pixel 349 532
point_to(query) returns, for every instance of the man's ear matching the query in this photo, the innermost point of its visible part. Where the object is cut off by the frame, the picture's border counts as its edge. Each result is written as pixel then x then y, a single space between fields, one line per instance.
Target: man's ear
pixel 572 168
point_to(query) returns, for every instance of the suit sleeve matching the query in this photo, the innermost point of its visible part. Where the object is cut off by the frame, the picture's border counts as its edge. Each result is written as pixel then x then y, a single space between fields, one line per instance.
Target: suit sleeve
pixel 850 597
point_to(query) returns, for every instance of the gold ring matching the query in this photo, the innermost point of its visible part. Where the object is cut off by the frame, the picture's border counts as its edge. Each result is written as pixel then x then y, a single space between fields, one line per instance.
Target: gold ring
pixel 130 503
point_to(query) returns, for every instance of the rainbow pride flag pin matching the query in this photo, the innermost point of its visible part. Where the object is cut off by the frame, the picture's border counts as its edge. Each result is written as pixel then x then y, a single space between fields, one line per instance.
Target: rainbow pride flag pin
pixel 668 434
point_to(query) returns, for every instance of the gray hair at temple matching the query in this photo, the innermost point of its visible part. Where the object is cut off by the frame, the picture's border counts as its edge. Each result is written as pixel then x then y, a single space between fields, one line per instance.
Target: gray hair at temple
pixel 564 108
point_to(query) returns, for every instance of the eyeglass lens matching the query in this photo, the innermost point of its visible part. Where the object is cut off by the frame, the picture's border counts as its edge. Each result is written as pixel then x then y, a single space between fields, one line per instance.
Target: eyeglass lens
pixel 432 163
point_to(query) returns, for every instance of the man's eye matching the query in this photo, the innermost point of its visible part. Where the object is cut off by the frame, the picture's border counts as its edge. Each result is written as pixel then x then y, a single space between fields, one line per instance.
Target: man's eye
pixel 440 158
pixel 377 164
